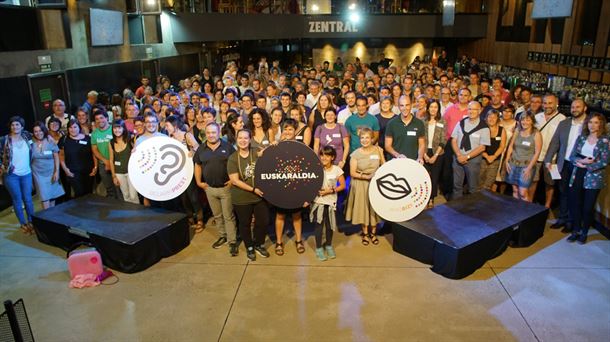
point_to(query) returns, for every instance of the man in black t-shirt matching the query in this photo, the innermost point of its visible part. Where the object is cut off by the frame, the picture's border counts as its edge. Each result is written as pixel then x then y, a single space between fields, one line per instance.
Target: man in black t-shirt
pixel 211 176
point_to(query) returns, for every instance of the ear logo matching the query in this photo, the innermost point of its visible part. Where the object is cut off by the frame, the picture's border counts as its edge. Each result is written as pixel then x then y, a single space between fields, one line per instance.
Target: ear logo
pixel 178 159
pixel 160 168
pixel 392 187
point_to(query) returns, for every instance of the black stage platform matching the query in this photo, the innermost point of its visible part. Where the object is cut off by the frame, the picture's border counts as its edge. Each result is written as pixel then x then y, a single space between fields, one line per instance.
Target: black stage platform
pixel 458 237
pixel 129 237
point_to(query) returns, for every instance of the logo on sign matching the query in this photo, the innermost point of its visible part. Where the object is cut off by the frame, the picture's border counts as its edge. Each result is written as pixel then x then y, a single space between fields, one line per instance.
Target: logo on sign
pixel 160 169
pixel 400 190
pixel 289 174
pixel 392 187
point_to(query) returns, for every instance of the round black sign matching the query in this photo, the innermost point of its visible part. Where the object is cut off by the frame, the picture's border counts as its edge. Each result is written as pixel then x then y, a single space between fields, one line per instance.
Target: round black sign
pixel 289 174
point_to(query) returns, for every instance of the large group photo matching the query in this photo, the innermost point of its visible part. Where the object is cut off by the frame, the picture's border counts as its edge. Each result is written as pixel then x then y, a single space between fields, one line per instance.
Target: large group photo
pixel 350 195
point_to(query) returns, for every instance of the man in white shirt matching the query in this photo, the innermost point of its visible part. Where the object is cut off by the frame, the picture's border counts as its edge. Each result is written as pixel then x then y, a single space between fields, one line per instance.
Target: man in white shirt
pixel 445 100
pixel 350 108
pixel 546 123
pixel 314 95
pixel 59 112
pixel 375 108
pixel 561 146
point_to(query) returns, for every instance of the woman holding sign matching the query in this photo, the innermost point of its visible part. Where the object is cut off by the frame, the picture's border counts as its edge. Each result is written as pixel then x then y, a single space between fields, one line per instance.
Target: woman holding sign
pixel 289 129
pixel 246 198
pixel 363 164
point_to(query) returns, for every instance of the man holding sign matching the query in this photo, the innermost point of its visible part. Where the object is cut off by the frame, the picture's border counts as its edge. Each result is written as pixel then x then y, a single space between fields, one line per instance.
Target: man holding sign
pixel 404 136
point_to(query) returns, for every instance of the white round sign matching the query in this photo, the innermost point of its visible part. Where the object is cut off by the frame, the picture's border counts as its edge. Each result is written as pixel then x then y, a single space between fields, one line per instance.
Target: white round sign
pixel 400 190
pixel 160 168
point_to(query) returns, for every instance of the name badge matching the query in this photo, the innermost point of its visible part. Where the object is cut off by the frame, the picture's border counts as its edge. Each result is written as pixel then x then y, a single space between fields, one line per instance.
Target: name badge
pixel 526 143
pixel 374 156
pixel 438 124
pixel 336 135
pixel 82 142
pixel 476 135
pixel 498 138
pixel 411 133
pixel 299 138
pixel 117 163
pixel 265 142
pixel 47 153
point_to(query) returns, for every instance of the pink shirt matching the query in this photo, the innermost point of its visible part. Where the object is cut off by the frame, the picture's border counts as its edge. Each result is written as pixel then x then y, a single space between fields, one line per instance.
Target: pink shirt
pixel 452 116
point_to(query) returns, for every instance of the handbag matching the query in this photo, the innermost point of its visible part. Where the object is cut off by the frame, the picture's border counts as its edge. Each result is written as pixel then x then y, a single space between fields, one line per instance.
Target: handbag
pixel 84 261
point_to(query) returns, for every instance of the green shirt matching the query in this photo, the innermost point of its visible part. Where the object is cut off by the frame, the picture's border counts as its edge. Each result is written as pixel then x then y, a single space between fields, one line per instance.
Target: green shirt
pixel 244 167
pixel 101 139
pixel 405 138
pixel 353 125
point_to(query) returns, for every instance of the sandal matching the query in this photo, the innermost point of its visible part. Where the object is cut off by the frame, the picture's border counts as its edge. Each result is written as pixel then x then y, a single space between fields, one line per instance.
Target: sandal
pixel 364 237
pixel 373 239
pixel 25 229
pixel 199 227
pixel 279 248
pixel 300 247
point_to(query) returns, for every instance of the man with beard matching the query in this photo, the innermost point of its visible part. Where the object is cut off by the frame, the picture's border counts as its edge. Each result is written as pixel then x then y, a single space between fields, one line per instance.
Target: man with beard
pixel 546 123
pixel 561 145
pixel 496 103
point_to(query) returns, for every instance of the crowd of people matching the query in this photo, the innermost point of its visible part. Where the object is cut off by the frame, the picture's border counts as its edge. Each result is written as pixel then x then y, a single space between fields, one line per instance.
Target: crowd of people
pixel 469 132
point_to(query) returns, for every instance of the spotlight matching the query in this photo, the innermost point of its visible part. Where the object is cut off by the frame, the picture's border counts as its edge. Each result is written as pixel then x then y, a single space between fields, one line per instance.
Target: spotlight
pixel 352 6
pixel 354 17
pixel 151 2
pixel 315 7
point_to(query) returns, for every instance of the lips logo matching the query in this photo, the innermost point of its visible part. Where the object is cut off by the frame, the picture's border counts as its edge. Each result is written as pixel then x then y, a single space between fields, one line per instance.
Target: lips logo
pixel 392 187
pixel 179 159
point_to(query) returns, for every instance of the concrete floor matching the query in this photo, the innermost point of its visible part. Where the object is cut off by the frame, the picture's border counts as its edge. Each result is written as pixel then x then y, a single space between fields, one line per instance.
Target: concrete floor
pixel 551 291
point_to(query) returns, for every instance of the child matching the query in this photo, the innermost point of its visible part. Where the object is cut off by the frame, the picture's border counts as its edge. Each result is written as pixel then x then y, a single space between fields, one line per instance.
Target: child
pixel 323 209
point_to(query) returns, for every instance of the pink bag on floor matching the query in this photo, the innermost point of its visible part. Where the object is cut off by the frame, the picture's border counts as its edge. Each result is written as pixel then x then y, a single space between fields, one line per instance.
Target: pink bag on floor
pixel 85 261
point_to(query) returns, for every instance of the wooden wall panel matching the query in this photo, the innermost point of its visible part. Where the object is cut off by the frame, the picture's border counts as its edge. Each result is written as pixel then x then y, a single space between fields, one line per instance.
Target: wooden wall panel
pixel 515 54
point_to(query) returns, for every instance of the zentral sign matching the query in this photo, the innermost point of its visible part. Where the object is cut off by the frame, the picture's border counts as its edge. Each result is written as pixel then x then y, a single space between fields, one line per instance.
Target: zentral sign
pixel 331 26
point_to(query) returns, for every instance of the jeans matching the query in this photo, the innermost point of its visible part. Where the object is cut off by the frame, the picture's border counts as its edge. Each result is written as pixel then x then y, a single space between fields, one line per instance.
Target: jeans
pixel 581 203
pixel 471 171
pixel 222 209
pixel 20 189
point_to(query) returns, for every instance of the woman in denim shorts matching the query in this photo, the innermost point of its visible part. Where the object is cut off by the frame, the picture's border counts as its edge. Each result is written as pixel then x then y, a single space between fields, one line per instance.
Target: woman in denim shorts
pixel 522 155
